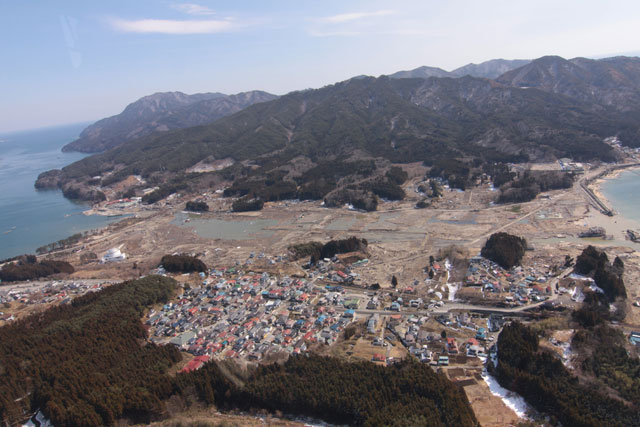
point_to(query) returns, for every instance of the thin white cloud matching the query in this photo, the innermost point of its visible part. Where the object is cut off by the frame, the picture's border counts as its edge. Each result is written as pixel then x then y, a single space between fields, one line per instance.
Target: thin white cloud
pixel 169 26
pixel 355 16
pixel 352 24
pixel 315 33
pixel 193 9
pixel 380 32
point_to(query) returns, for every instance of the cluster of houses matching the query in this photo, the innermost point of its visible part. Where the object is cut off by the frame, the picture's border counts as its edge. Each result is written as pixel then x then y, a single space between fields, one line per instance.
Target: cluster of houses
pixel 335 270
pixel 108 208
pixel 55 292
pixel 433 348
pixel 568 165
pixel 236 315
pixel 517 286
pixel 632 152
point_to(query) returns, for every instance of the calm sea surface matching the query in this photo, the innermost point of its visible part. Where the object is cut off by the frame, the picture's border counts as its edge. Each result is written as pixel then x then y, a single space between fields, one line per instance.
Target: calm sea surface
pixel 29 218
pixel 624 193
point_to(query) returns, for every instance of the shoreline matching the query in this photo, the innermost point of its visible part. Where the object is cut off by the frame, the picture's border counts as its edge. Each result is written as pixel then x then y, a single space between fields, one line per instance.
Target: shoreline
pixel 618 224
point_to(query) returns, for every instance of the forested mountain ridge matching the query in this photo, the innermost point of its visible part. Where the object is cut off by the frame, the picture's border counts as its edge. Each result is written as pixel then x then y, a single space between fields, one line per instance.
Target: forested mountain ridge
pixel 611 82
pixel 396 120
pixel 162 112
pixel 602 84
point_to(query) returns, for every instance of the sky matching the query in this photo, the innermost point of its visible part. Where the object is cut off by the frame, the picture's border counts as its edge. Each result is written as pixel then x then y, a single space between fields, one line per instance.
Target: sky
pixel 76 61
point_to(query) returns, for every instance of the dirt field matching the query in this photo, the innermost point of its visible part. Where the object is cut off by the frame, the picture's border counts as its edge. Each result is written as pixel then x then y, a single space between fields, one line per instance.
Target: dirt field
pixel 490 410
pixel 212 418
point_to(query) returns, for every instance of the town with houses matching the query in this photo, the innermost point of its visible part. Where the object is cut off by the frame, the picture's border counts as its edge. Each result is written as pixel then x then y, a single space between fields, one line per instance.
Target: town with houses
pixel 41 295
pixel 236 313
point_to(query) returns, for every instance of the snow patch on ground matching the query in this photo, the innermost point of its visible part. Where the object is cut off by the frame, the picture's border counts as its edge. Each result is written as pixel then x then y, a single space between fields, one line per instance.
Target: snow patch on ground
pixel 513 400
pixel 452 287
pixel 307 421
pixel 567 354
pixel 577 295
pixel 311 422
pixel 577 276
pixel 40 420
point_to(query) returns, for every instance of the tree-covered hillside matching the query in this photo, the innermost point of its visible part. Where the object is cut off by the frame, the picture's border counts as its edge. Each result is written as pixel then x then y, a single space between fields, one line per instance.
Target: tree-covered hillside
pixel 547 385
pixel 395 120
pixel 87 363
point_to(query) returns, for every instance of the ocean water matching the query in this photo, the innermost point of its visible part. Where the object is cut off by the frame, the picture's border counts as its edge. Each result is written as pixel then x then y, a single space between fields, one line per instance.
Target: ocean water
pixel 30 218
pixel 623 192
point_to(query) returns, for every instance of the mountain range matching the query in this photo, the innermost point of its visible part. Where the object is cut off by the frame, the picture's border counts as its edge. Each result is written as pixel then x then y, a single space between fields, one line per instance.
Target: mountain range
pixel 161 112
pixel 612 82
pixel 165 111
pixel 546 109
pixel 488 69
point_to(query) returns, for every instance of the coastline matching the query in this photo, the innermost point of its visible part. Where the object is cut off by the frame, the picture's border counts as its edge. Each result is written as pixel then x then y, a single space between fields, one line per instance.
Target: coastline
pixel 618 224
pixel 31 218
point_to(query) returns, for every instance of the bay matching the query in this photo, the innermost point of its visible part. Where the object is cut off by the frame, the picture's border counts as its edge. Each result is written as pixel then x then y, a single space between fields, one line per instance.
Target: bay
pixel 623 192
pixel 30 218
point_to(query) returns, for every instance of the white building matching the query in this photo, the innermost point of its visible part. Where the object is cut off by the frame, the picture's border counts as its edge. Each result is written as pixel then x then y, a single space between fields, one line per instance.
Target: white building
pixel 113 255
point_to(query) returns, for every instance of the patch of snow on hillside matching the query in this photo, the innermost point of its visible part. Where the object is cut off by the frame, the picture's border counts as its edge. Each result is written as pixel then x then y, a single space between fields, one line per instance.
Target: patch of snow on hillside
pixel 513 400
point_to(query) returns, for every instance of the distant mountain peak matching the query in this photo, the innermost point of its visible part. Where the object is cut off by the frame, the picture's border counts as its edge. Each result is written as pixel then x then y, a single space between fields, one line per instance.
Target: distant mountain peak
pixel 165 101
pixel 423 72
pixel 490 69
pixel 162 111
